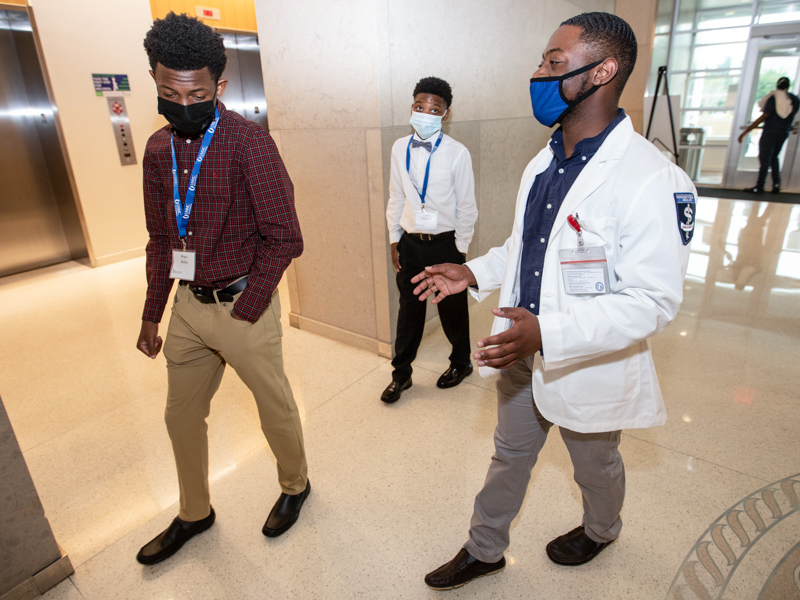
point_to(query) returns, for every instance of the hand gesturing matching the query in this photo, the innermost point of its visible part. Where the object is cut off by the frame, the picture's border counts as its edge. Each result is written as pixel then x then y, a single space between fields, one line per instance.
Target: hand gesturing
pixel 443 280
pixel 522 339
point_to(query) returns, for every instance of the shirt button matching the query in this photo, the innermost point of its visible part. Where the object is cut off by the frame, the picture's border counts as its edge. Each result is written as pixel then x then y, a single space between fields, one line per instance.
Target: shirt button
pixel 186 170
pixel 535 272
pixel 188 141
pixel 561 170
pixel 549 206
pixel 533 305
pixel 583 158
pixel 541 240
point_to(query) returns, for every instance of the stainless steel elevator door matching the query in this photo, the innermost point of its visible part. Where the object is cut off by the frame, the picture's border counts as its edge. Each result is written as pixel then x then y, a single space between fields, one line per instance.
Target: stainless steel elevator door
pixel 245 91
pixel 38 218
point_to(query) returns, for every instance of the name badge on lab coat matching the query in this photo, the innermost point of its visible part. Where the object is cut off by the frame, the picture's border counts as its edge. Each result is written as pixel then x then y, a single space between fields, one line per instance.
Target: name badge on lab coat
pixel 585 270
pixel 183 265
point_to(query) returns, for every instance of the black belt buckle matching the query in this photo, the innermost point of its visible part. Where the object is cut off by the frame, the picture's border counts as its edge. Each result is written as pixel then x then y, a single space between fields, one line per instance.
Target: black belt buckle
pixel 205 295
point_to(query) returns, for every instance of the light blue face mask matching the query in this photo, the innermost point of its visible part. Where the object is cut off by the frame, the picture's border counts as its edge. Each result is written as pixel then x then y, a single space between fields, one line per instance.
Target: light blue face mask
pixel 547 96
pixel 424 124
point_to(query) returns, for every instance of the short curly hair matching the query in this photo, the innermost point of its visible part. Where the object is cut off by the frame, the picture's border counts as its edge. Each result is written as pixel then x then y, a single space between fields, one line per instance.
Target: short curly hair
pixel 435 86
pixel 609 37
pixel 183 43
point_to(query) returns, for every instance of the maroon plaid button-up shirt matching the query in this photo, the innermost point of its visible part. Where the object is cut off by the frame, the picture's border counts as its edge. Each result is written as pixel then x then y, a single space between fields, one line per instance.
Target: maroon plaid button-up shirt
pixel 243 221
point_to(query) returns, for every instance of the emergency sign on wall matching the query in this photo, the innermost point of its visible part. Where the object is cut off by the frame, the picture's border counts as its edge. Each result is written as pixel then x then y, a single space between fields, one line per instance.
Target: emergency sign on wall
pixel 205 12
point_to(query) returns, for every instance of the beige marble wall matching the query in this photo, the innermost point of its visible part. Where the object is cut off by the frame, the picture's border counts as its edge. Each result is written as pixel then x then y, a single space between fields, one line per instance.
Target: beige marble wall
pixel 486 51
pixel 339 77
pixel 641 15
pixel 320 63
pixel 339 287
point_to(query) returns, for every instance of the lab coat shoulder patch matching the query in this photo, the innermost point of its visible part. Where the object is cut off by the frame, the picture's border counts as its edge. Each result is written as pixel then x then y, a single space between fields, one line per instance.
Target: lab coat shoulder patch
pixel 685 205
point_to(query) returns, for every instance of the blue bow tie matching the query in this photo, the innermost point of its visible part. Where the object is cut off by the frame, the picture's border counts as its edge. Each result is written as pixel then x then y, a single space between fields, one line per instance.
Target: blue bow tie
pixel 418 144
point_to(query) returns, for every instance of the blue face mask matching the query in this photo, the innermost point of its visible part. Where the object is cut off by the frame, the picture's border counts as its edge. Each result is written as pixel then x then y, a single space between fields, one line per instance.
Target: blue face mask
pixel 548 100
pixel 424 124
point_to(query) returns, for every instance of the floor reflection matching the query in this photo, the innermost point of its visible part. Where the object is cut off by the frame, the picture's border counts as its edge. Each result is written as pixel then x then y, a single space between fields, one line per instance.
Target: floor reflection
pixel 748 255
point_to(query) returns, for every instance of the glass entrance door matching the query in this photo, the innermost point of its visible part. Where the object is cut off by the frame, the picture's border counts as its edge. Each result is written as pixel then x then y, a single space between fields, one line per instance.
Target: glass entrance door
pixel 768 59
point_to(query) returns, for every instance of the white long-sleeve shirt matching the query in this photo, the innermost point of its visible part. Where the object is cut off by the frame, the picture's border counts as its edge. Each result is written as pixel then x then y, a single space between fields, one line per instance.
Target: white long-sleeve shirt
pixel 451 189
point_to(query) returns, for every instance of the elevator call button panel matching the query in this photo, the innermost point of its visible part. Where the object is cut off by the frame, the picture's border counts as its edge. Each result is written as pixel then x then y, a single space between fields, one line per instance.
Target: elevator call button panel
pixel 122 129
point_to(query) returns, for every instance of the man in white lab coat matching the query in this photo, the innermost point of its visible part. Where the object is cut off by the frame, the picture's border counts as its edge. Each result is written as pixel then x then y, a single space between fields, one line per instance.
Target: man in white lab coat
pixel 594 266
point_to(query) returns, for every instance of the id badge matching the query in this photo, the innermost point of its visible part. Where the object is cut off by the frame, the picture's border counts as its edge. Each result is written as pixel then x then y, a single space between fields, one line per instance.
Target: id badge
pixel 183 265
pixel 585 270
pixel 426 219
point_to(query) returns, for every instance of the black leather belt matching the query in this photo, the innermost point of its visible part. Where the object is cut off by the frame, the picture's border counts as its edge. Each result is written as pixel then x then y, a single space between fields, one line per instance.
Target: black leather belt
pixel 206 295
pixel 431 237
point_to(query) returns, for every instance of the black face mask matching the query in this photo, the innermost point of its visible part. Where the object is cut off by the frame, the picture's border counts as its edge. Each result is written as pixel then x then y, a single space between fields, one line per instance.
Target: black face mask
pixel 189 120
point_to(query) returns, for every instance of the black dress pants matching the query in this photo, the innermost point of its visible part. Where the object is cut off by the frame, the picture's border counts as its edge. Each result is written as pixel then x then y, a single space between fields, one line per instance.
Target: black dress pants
pixel 769 147
pixel 415 255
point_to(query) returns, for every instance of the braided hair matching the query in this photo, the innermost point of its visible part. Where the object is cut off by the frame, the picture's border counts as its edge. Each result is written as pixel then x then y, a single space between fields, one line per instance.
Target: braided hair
pixel 608 36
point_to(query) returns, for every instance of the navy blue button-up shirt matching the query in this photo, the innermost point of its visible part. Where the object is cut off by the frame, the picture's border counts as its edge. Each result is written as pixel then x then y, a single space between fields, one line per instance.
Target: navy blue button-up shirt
pixel 544 201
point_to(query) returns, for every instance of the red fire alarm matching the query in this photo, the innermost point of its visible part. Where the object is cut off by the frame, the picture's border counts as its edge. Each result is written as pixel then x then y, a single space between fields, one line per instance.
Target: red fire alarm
pixel 204 12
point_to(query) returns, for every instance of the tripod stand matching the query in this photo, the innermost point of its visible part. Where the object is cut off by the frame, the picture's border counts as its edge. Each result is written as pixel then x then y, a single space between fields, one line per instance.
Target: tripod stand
pixel 662 74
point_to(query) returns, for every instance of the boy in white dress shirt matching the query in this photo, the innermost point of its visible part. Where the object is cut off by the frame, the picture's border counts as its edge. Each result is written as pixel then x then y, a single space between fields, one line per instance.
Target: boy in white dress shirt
pixel 431 217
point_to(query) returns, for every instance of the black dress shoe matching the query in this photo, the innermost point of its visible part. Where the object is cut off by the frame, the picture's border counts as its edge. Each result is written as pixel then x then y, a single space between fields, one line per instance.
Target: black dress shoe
pixel 574 548
pixel 776 189
pixel 754 190
pixel 461 570
pixel 453 376
pixel 393 390
pixel 172 539
pixel 285 512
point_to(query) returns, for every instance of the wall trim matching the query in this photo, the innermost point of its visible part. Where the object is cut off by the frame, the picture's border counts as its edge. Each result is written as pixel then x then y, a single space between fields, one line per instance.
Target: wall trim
pixel 357 340
pixel 332 332
pixel 108 259
pixel 41 582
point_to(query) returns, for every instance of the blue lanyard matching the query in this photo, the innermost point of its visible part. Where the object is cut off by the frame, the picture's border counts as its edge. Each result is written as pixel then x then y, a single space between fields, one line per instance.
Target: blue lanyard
pixel 427 169
pixel 182 212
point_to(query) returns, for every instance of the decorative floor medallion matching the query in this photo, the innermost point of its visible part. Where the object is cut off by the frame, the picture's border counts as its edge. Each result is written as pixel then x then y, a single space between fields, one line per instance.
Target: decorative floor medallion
pixel 751 552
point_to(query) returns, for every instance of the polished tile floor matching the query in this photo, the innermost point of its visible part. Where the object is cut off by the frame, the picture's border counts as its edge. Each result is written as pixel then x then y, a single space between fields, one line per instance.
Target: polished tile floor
pixel 712 508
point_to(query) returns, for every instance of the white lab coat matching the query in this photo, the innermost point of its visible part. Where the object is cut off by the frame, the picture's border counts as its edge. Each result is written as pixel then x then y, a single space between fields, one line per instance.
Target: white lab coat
pixel 597 373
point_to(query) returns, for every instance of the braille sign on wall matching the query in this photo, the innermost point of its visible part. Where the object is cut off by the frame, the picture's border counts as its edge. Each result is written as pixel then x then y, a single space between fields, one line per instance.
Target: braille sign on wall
pixel 122 130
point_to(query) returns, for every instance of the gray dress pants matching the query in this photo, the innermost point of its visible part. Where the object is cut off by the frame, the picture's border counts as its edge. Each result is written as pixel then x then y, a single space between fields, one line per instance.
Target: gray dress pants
pixel 520 435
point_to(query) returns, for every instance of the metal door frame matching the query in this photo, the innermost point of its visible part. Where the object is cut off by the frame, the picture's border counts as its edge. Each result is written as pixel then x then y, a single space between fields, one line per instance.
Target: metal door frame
pixel 245 90
pixel 790 171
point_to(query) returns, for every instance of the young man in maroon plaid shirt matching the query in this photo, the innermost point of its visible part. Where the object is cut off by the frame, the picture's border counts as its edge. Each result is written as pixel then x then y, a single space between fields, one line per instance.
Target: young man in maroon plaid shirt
pixel 220 212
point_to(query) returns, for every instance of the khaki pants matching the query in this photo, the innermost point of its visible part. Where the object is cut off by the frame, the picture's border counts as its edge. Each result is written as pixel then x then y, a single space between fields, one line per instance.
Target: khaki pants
pixel 520 435
pixel 201 340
